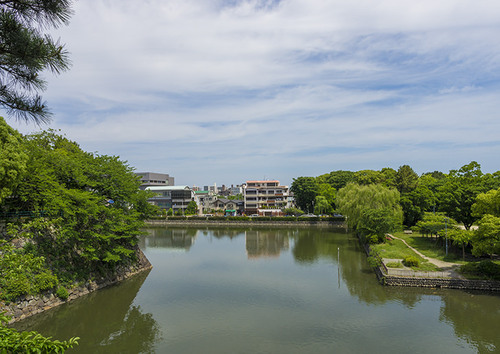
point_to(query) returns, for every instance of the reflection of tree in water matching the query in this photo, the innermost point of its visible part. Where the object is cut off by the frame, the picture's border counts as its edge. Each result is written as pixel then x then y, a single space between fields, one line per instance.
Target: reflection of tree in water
pixel 106 321
pixel 360 280
pixel 475 318
pixel 138 334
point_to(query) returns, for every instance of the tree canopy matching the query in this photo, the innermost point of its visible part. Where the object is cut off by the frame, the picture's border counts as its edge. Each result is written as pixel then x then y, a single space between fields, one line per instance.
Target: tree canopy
pixel 25 52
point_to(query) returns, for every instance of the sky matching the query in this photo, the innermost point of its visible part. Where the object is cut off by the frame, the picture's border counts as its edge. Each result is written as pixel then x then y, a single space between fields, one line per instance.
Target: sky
pixel 225 91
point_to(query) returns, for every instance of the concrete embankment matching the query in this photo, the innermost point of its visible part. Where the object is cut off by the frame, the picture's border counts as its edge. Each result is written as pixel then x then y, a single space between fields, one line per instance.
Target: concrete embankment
pixel 31 305
pixel 450 280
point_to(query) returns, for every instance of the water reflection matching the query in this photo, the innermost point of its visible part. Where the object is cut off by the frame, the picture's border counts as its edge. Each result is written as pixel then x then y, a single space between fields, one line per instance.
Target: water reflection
pixel 106 321
pixel 265 243
pixel 272 291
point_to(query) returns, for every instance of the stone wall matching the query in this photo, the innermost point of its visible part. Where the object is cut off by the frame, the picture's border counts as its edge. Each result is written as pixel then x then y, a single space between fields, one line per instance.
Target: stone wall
pixel 187 222
pixel 30 305
pixel 451 283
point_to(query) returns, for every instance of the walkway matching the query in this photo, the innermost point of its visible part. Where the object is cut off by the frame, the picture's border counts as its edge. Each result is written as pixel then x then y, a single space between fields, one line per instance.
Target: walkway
pixel 446 267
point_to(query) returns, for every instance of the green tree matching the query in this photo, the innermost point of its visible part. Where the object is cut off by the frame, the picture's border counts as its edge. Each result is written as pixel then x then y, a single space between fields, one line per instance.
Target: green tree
pixel 12 159
pixel 25 52
pixel 365 177
pixel 192 208
pixel 94 203
pixel 305 190
pixel 462 238
pixel 459 193
pixel 416 203
pixel 322 206
pixel 432 224
pixel 406 179
pixel 328 192
pixel 337 179
pixel 487 203
pixel 487 237
pixel 358 202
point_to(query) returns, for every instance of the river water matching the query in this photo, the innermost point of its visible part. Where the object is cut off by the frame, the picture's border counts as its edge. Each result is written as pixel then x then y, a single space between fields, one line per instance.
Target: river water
pixel 257 290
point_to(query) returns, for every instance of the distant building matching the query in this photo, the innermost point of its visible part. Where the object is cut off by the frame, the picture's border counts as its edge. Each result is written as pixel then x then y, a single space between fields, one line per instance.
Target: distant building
pixel 150 179
pixel 266 198
pixel 175 197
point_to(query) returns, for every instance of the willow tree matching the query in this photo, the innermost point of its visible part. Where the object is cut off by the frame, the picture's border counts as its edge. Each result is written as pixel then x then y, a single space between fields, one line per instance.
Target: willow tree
pixel 25 52
pixel 372 209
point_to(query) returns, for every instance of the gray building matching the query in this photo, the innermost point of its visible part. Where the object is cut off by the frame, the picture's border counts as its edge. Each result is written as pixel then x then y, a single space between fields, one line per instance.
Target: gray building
pixel 175 197
pixel 150 179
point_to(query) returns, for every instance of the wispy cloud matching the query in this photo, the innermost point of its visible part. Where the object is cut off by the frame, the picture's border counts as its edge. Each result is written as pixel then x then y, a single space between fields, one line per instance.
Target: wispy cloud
pixel 221 91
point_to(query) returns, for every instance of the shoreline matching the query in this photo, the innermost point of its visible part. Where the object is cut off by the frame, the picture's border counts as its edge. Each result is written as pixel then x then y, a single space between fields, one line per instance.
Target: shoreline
pixel 273 223
pixel 30 305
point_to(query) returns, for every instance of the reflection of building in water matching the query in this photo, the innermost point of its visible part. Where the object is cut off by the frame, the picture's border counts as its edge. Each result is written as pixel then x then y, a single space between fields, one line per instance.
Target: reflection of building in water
pixel 179 239
pixel 261 243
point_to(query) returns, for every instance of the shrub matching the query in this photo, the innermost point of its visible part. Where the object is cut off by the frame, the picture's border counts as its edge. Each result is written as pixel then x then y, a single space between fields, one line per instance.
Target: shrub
pixel 411 261
pixel 484 269
pixel 62 293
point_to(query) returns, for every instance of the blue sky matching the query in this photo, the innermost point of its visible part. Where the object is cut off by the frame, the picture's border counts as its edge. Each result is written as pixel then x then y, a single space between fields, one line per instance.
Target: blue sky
pixel 227 91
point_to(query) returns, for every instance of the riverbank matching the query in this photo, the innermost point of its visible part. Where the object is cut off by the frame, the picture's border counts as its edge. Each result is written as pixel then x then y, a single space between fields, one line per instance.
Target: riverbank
pixel 447 277
pixel 274 222
pixel 31 305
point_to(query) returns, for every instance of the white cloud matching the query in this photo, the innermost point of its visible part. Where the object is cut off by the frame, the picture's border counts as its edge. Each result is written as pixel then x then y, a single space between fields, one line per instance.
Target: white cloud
pixel 286 87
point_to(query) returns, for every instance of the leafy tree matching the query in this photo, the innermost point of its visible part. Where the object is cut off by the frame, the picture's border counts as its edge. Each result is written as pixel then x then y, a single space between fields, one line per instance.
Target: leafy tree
pixel 487 203
pixel 406 179
pixel 25 52
pixel 328 192
pixel 94 203
pixel 416 203
pixel 461 237
pixel 487 237
pixel 293 211
pixel 358 202
pixel 305 190
pixel 378 222
pixel 365 177
pixel 192 208
pixel 337 179
pixel 322 206
pixel 432 224
pixel 459 193
pixel 12 159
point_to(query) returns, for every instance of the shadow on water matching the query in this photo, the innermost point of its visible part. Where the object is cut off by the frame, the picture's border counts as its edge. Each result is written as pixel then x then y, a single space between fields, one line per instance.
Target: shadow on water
pixel 106 321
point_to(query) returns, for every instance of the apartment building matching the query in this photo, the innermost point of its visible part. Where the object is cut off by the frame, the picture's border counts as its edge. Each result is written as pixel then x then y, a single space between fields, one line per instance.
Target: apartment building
pixel 266 198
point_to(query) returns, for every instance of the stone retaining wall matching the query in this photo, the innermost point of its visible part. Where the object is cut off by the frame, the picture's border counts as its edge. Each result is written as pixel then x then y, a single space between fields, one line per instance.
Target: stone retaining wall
pixel 30 305
pixel 451 283
pixel 335 224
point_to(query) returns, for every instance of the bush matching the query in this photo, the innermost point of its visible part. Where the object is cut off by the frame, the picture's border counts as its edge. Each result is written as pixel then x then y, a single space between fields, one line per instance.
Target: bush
pixel 62 293
pixel 411 261
pixel 484 269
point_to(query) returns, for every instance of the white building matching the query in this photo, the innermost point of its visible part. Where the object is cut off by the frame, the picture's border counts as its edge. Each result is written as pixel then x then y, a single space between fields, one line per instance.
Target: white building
pixel 266 198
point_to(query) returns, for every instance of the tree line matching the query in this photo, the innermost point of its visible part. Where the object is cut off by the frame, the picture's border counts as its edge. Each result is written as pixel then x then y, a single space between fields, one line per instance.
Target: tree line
pixel 378 202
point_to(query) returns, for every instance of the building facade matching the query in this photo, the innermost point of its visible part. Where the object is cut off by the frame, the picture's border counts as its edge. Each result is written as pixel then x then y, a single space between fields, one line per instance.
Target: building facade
pixel 150 179
pixel 265 198
pixel 175 197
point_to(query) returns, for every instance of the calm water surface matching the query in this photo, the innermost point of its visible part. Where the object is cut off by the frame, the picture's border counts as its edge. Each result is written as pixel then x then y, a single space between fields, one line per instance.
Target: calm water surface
pixel 226 290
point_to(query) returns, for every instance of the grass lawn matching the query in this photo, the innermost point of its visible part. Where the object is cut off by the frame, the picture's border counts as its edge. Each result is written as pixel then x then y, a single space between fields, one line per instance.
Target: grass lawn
pixel 396 249
pixel 432 247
